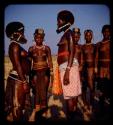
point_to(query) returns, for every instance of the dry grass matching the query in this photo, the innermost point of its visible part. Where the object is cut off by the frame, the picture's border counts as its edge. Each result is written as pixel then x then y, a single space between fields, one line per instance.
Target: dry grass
pixel 7 68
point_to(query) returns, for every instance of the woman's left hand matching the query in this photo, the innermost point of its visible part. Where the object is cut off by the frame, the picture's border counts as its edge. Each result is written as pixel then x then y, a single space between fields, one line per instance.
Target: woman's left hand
pixel 66 77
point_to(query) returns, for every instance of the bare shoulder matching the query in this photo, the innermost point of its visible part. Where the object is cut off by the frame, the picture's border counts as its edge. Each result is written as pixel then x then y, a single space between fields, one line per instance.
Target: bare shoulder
pixel 47 47
pixel 30 49
pixel 98 43
pixel 14 46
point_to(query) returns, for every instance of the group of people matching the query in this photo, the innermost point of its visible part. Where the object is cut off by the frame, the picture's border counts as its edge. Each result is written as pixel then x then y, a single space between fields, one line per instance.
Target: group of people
pixel 94 66
pixel 79 67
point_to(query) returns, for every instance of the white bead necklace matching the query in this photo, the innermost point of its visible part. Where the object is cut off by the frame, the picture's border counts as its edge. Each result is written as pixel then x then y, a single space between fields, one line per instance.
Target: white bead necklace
pixel 40 47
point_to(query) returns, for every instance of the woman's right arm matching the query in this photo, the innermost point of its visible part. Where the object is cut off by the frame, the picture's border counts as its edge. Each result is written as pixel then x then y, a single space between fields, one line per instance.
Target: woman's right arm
pixel 30 53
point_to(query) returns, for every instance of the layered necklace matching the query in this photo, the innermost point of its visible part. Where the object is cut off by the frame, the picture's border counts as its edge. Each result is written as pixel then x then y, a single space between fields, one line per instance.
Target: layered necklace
pixel 88 43
pixel 40 47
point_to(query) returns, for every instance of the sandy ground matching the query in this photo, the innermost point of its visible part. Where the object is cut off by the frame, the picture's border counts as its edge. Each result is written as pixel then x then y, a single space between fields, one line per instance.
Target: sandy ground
pixel 58 100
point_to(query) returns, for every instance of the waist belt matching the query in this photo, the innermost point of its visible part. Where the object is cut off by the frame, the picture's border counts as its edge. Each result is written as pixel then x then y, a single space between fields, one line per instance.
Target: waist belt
pixel 14 72
pixel 14 75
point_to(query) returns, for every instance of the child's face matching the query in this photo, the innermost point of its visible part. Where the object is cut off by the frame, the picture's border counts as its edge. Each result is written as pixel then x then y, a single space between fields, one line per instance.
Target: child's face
pixel 39 39
pixel 88 37
pixel 106 33
pixel 76 37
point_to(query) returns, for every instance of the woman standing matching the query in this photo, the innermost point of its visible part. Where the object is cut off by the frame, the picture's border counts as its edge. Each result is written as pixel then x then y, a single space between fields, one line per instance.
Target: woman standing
pixel 42 69
pixel 103 66
pixel 89 65
pixel 17 82
pixel 69 66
